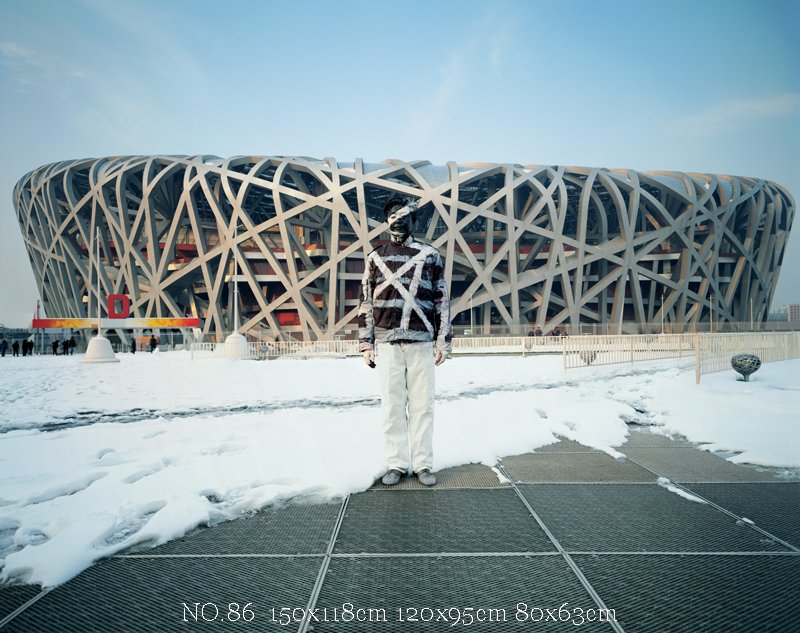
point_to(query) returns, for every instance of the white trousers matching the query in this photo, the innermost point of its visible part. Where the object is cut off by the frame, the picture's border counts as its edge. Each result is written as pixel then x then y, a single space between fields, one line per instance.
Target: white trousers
pixel 406 373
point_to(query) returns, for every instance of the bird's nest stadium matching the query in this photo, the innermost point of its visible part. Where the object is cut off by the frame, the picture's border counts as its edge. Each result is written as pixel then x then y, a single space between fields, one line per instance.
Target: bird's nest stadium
pixel 523 245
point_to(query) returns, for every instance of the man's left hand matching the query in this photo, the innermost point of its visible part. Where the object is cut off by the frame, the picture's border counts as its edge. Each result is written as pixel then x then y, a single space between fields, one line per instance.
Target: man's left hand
pixel 440 357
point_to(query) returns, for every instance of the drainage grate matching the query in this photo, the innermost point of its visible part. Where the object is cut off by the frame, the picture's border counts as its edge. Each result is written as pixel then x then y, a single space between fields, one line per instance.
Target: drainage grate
pixel 671 594
pixel 398 585
pixel 468 476
pixel 147 595
pixel 292 529
pixel 692 465
pixel 14 596
pixel 773 507
pixel 647 439
pixel 638 518
pixel 573 467
pixel 420 521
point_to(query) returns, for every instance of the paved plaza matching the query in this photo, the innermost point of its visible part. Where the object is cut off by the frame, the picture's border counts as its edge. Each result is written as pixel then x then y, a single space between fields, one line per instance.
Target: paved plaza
pixel 573 539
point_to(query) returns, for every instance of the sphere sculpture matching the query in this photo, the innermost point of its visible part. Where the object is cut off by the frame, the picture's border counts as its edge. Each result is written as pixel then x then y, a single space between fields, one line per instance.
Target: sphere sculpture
pixel 746 364
pixel 588 356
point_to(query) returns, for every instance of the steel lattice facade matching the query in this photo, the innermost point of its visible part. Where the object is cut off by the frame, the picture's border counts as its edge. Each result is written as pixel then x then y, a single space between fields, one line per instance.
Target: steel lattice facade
pixel 523 245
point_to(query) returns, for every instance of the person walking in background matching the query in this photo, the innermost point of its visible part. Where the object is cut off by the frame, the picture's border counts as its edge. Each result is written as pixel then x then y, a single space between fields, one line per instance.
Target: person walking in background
pixel 3 347
pixel 153 343
pixel 65 347
pixel 24 349
pixel 71 345
pixel 15 348
pixel 133 345
pixel 405 312
pixel 54 345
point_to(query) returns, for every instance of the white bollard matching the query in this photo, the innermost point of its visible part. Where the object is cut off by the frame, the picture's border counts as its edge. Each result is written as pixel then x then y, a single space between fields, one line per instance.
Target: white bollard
pixel 99 351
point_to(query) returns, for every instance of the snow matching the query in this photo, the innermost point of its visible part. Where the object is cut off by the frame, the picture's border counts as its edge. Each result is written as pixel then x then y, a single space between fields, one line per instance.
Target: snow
pixel 97 458
pixel 666 483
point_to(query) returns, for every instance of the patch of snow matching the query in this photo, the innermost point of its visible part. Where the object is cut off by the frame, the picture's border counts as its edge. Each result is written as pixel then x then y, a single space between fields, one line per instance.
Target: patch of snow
pixel 500 476
pixel 666 483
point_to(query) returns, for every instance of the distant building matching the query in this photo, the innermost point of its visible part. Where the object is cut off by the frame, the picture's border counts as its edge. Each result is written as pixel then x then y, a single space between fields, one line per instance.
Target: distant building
pixel 544 245
pixel 793 312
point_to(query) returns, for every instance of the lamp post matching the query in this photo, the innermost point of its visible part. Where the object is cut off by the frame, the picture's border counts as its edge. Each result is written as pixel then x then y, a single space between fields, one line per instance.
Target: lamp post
pixel 471 318
pixel 235 280
pixel 99 349
pixel 235 343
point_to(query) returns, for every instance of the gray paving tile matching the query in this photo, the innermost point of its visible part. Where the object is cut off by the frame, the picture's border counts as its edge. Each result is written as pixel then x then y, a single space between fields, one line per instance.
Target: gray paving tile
pixel 400 585
pixel 693 465
pixel 687 594
pixel 14 596
pixel 439 521
pixel 147 595
pixel 566 446
pixel 774 507
pixel 646 439
pixel 638 518
pixel 573 467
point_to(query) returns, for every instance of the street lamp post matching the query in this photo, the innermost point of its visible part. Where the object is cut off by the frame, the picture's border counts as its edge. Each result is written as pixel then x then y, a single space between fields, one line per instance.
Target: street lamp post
pixel 471 318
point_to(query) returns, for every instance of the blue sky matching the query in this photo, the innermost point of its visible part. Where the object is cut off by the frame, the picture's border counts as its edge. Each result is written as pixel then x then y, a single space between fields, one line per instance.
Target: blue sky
pixel 681 85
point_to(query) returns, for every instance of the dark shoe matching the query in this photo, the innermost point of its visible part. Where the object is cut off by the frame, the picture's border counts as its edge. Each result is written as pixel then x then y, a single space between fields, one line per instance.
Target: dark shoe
pixel 392 477
pixel 426 477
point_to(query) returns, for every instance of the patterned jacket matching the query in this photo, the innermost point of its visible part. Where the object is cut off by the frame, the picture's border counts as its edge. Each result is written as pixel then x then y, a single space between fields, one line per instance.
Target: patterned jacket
pixel 404 296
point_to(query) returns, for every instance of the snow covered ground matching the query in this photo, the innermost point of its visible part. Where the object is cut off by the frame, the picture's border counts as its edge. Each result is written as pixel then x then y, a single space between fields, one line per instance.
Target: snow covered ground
pixel 96 458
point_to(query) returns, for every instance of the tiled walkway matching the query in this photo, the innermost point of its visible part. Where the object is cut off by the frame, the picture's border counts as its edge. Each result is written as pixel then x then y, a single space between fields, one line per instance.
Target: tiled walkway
pixel 577 539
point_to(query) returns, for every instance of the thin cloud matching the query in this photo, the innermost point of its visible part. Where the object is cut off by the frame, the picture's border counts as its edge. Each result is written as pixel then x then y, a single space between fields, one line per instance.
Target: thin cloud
pixel 158 42
pixel 725 117
pixel 483 51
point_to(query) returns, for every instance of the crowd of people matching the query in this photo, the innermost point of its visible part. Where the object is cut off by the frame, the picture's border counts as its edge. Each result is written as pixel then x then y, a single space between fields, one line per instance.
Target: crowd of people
pixel 63 348
pixel 556 331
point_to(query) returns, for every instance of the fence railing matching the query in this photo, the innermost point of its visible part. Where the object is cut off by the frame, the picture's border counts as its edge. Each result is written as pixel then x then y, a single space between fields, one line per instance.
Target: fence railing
pixel 715 351
pixel 582 351
pixel 278 349
pixel 712 352
pixel 506 345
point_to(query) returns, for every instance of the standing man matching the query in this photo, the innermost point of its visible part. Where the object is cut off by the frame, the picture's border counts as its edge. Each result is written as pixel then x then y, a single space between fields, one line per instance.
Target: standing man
pixel 405 311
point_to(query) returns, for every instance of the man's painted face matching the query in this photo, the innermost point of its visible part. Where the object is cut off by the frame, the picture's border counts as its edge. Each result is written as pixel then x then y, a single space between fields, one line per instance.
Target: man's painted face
pixel 401 220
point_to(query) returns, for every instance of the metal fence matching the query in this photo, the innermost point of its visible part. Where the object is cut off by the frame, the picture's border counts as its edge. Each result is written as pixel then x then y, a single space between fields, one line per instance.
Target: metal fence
pixel 340 349
pixel 714 351
pixel 507 345
pixel 582 351
pixel 278 349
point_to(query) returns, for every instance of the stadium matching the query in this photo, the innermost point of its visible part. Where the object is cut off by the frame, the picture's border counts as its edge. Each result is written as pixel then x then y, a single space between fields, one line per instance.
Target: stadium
pixel 524 245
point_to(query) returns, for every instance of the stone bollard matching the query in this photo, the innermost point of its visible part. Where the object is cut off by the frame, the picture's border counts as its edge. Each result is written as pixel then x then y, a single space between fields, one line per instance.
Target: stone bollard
pixel 746 364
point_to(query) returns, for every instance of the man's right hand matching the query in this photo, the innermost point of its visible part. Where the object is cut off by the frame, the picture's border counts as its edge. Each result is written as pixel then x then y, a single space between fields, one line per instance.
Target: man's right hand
pixel 369 357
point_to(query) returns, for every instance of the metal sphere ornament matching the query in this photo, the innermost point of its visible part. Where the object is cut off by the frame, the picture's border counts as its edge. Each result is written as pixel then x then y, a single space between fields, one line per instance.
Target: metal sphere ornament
pixel 746 364
pixel 588 356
